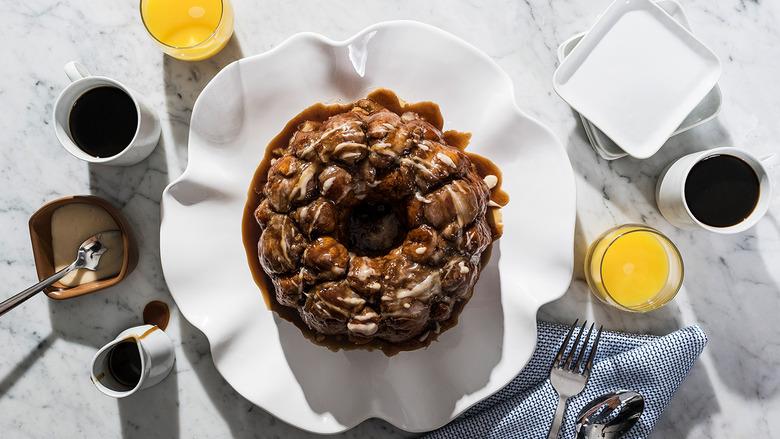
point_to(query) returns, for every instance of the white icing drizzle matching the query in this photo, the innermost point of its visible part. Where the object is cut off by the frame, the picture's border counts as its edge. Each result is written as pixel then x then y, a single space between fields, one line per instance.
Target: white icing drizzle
pixel 424 336
pixel 463 268
pixel 344 126
pixel 459 201
pixel 417 163
pixel 283 241
pixel 332 307
pixel 349 154
pixel 366 329
pixel 492 203
pixel 370 314
pixel 343 145
pixel 429 287
pixel 343 194
pixel 364 272
pixel 419 197
pixel 421 250
pixel 354 300
pixel 407 305
pixel 316 217
pixel 491 181
pixel 445 159
pixel 327 184
pixel 303 181
pixel 385 148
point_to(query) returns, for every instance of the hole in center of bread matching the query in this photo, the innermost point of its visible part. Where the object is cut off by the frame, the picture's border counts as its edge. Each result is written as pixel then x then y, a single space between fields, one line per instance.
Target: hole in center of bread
pixel 374 228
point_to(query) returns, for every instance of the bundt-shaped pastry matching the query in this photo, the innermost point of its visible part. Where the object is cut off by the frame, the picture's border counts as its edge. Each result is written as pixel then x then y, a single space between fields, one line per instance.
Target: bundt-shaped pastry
pixel 372 225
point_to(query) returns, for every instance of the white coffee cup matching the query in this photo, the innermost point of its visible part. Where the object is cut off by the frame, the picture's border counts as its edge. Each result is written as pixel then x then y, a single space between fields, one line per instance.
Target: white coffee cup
pixel 136 359
pixel 147 132
pixel 671 199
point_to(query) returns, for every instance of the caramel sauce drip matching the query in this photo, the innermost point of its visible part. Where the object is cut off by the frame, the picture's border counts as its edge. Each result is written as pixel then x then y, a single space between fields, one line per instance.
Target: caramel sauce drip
pixel 157 313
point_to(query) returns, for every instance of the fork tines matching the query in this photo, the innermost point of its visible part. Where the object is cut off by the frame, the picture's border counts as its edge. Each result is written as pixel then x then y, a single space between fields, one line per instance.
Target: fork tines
pixel 567 363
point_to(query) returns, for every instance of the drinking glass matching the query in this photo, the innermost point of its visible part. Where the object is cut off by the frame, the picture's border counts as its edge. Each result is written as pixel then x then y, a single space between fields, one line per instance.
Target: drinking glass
pixel 188 29
pixel 634 268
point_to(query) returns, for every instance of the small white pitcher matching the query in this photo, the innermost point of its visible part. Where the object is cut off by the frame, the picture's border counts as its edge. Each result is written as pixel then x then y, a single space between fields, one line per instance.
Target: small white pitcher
pixel 119 370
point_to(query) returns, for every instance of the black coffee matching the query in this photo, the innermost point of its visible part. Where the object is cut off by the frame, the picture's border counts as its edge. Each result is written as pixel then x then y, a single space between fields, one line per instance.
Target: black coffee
pixel 124 363
pixel 103 121
pixel 721 190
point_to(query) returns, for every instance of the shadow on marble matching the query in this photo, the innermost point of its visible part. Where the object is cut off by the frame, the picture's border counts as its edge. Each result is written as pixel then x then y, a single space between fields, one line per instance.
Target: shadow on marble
pixel 96 318
pixel 580 303
pixel 152 412
pixel 693 404
pixel 740 327
pixel 23 366
pixel 641 176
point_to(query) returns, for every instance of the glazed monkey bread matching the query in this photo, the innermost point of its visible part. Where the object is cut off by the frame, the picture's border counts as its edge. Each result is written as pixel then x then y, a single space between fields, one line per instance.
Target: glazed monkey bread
pixel 372 225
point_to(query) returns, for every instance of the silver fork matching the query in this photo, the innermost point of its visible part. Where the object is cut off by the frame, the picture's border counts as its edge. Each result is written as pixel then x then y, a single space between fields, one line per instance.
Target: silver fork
pixel 568 378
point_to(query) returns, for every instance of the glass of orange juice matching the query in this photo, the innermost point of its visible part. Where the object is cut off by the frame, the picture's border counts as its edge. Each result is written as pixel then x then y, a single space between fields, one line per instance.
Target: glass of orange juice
pixel 188 29
pixel 634 268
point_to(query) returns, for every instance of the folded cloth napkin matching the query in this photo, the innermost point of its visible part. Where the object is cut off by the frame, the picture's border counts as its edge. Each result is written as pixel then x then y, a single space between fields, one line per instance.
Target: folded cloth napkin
pixel 651 365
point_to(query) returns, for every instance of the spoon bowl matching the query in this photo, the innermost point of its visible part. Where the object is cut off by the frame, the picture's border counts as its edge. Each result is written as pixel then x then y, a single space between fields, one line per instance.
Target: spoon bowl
pixel 610 416
pixel 88 256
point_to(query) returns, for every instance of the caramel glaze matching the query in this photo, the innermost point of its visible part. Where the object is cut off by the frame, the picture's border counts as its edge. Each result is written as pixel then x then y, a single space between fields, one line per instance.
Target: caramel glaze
pixel 251 231
pixel 157 313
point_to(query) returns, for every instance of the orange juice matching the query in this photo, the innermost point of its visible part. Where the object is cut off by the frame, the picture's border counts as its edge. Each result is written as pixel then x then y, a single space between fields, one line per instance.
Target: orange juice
pixel 634 268
pixel 188 29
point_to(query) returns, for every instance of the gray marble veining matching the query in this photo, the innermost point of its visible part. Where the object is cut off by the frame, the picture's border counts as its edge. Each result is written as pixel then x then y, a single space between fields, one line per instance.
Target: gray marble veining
pixel 732 284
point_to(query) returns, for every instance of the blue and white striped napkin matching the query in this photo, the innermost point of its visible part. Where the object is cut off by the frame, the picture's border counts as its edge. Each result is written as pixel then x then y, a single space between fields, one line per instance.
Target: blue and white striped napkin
pixel 651 365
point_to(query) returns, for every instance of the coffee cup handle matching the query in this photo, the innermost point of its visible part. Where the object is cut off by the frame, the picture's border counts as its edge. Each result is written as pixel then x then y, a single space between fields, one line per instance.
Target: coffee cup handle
pixel 76 71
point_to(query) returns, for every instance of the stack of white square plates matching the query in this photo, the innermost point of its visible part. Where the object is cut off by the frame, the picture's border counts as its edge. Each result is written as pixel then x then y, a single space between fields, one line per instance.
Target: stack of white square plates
pixel 638 77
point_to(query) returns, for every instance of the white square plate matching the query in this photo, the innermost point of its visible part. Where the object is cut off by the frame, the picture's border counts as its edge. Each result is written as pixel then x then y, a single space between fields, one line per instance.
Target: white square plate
pixel 706 110
pixel 636 75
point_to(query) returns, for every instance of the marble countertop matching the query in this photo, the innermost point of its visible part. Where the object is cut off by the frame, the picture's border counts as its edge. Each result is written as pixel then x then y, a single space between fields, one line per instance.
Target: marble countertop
pixel 732 283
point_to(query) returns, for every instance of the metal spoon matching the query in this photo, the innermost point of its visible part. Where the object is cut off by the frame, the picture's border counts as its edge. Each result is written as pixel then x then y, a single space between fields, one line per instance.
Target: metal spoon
pixel 87 257
pixel 599 418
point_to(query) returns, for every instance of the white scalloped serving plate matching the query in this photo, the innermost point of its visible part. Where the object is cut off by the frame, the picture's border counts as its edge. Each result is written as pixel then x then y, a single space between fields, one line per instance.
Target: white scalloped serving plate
pixel 265 358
